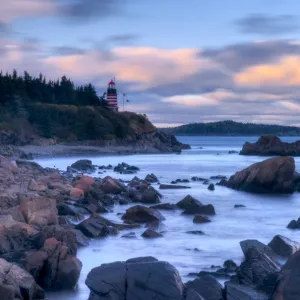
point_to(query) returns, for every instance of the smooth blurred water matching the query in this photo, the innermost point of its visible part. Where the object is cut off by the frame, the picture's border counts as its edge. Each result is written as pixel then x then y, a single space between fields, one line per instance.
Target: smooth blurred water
pixel 263 217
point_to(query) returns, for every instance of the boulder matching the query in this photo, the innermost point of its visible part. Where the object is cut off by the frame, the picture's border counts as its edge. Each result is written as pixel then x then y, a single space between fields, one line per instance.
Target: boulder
pixel 211 187
pixel 164 206
pixel 207 287
pixel 268 145
pixel 201 219
pixel 112 186
pixel 151 178
pixel 38 211
pixel 283 246
pixel 294 224
pixel 172 187
pixel 193 206
pixel 140 278
pixel 204 209
pixel 273 175
pixel 66 234
pixel 76 193
pixel 124 168
pixel 142 214
pixel 83 182
pixel 68 209
pixel 16 283
pixel 150 196
pixel 189 202
pixel 258 271
pixel 247 244
pixel 53 266
pixel 288 285
pixel 93 227
pixel 83 165
pixel 150 233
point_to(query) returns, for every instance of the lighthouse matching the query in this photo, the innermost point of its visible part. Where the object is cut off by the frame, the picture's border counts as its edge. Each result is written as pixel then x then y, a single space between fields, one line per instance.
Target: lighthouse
pixel 111 96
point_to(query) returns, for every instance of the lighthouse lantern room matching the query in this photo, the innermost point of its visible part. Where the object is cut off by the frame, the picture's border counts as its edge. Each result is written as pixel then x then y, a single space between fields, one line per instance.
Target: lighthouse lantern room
pixel 112 96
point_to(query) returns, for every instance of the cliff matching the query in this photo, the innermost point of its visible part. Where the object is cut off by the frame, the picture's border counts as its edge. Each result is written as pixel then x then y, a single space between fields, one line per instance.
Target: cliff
pixel 36 112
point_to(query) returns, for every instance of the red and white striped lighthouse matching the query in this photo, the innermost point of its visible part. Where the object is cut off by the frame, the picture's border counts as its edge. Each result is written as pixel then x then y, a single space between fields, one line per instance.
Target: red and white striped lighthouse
pixel 111 96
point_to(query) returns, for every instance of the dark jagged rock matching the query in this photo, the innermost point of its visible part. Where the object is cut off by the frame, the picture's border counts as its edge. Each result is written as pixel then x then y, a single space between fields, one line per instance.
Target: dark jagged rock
pixel 268 145
pixel 229 266
pixel 173 187
pixel 218 177
pixel 195 178
pixel 83 165
pixel 248 244
pixel 93 227
pixel 164 206
pixel 273 175
pixel 124 168
pixel 150 233
pixel 204 209
pixel 207 287
pixel 258 271
pixel 73 238
pixel 151 178
pixel 189 202
pixel 211 187
pixel 201 219
pixel 150 196
pixel 52 266
pixel 288 285
pixel 142 214
pixel 283 246
pixel 195 232
pixel 193 206
pixel 233 152
pixel 294 224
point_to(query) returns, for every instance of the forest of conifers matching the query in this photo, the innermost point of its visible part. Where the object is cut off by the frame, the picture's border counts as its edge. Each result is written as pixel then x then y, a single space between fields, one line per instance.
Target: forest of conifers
pixel 60 109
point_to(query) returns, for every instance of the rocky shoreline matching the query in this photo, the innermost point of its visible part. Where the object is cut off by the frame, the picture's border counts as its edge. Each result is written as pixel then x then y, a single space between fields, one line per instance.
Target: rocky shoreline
pixel 147 143
pixel 46 215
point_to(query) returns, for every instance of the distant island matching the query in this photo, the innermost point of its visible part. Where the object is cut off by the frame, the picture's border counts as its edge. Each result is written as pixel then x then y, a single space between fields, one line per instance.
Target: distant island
pixel 231 128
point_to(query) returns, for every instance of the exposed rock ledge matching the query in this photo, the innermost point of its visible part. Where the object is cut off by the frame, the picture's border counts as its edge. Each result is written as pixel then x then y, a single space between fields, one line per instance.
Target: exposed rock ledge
pixel 271 145
pixel 153 142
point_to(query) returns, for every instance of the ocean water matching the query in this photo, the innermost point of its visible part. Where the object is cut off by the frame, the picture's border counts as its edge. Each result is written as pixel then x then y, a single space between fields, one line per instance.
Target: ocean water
pixel 263 217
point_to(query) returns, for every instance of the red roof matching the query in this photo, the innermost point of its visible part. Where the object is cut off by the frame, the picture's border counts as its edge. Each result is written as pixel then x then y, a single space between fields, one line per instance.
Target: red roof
pixel 111 82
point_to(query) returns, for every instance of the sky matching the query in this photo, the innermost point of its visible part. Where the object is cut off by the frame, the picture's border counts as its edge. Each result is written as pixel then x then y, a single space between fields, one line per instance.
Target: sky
pixel 177 61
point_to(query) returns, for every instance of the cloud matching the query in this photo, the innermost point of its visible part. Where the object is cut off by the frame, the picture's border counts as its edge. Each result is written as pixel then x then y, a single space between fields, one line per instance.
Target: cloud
pixel 144 66
pixel 67 50
pixel 286 72
pixel 238 56
pixel 82 11
pixel 15 9
pixel 268 25
pixel 176 85
pixel 121 39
